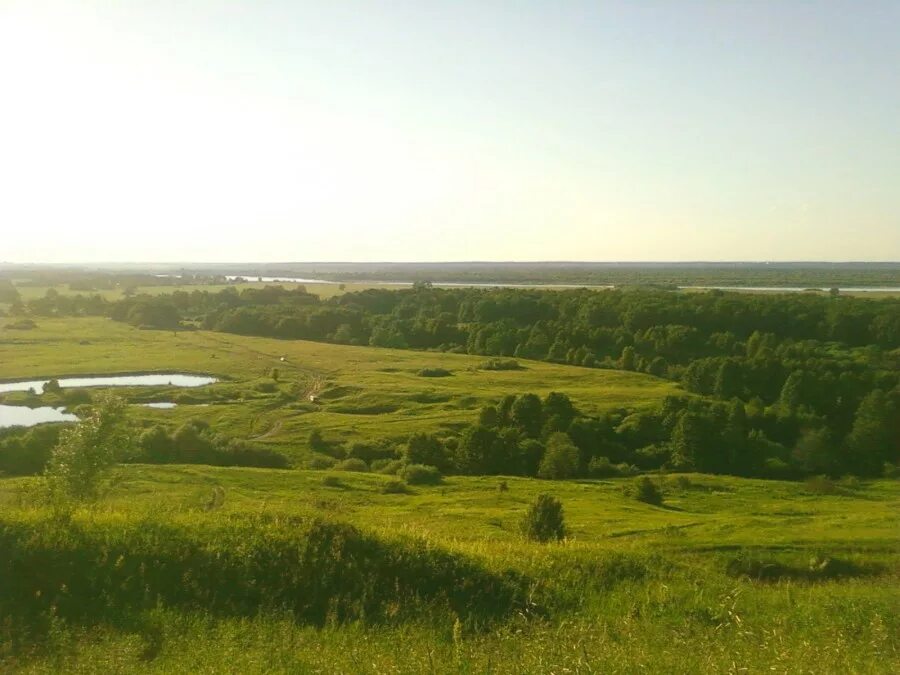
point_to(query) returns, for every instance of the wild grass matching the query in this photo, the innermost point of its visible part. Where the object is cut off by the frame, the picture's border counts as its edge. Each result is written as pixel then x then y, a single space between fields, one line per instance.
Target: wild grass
pixel 289 573
pixel 361 393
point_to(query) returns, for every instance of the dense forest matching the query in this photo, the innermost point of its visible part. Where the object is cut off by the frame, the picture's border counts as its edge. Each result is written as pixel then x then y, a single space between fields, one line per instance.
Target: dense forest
pixel 775 386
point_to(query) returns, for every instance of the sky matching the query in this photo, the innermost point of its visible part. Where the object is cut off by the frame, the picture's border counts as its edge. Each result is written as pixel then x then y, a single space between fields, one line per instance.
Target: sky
pixel 286 130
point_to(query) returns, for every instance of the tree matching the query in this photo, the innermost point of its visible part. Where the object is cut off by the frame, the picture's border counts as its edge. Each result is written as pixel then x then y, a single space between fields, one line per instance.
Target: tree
pixel 544 520
pixel 488 417
pixel 527 414
pixel 875 436
pixel 559 405
pixel 728 380
pixel 627 361
pixel 473 456
pixel 561 458
pixel 792 391
pixel 87 451
pixel 815 452
pixel 427 449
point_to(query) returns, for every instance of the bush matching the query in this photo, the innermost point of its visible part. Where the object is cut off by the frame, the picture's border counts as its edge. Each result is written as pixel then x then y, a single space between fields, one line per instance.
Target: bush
pixel 544 520
pixel 601 467
pixel 391 467
pixel 434 372
pixel 645 490
pixel 352 464
pixel 394 487
pixel 319 463
pixel 820 485
pixel 420 474
pixel 22 324
pixel 76 396
pixel 332 481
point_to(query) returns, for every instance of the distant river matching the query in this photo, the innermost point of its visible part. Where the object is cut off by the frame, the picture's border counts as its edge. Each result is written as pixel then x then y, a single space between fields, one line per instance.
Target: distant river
pixel 500 284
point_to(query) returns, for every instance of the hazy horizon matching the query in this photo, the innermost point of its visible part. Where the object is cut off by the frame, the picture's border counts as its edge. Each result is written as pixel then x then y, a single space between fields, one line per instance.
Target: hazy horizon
pixel 161 132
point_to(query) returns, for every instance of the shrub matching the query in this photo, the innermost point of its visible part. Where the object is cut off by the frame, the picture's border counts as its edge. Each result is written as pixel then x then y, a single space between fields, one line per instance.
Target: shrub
pixel 394 487
pixel 682 482
pixel 319 462
pixel 391 468
pixel 76 396
pixel 371 451
pixel 502 486
pixel 352 464
pixel 544 520
pixel 434 372
pixel 820 485
pixel 52 387
pixel 601 467
pixel 420 474
pixel 332 481
pixel 645 490
pixel 22 324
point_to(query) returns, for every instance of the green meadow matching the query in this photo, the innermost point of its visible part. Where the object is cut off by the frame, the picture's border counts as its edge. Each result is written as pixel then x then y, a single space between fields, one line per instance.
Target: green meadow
pixel 192 568
pixel 729 575
pixel 361 393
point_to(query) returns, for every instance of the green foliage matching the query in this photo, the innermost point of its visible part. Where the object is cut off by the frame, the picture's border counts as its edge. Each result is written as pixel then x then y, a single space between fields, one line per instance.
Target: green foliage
pixel 544 521
pixel 87 451
pixel 500 364
pixel 427 449
pixel 352 464
pixel 645 490
pixel 560 458
pixel 434 372
pixel 394 487
pixel 420 474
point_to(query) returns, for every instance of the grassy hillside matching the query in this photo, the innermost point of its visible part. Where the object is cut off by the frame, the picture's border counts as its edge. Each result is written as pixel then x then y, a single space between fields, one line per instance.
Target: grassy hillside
pixel 362 392
pixel 636 587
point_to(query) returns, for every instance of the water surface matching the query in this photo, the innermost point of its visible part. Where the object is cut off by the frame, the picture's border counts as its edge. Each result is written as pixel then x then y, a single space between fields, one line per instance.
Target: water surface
pixel 152 380
pixel 22 416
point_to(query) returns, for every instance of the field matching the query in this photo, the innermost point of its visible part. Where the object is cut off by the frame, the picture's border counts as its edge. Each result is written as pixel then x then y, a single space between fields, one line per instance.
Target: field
pixel 191 568
pixel 362 393
pixel 635 588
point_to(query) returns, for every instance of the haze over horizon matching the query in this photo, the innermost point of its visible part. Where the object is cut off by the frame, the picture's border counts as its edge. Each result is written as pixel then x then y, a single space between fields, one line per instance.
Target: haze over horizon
pixel 278 131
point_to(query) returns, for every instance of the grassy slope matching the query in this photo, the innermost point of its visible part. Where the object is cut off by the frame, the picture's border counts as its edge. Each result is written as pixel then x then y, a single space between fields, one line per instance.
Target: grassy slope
pixel 352 380
pixel 638 588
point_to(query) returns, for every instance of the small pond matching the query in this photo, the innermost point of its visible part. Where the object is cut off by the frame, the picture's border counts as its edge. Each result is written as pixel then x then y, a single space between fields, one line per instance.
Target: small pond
pixel 152 380
pixel 22 416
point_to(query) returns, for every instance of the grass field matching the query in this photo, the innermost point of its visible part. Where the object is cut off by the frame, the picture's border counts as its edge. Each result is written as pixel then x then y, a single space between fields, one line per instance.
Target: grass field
pixel 362 392
pixel 635 588
pixel 193 569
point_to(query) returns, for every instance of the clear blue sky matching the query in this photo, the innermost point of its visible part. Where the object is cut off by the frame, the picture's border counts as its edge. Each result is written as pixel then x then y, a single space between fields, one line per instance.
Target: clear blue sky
pixel 211 131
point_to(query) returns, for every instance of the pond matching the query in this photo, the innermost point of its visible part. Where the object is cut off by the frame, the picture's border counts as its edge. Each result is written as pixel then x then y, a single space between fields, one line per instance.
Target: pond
pixel 151 380
pixel 22 416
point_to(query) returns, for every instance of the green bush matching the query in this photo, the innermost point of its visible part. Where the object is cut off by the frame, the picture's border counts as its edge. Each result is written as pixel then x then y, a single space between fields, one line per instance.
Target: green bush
pixel 645 490
pixel 434 372
pixel 544 520
pixel 332 481
pixel 352 464
pixel 320 462
pixel 391 467
pixel 820 485
pixel 394 487
pixel 420 474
